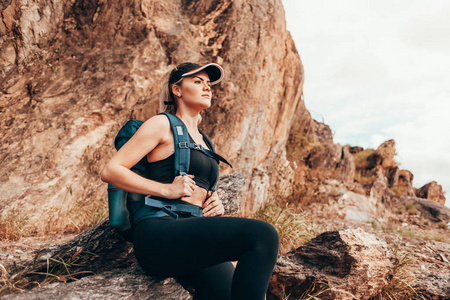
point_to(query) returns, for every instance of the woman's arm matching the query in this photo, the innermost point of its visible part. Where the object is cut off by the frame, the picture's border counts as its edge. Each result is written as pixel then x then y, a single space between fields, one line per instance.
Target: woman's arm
pixel 152 133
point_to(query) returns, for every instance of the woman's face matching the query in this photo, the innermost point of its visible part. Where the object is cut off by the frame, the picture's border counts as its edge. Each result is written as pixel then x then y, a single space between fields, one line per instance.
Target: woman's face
pixel 195 91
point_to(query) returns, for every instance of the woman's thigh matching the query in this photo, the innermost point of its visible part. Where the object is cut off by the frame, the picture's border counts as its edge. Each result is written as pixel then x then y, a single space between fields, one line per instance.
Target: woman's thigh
pixel 167 247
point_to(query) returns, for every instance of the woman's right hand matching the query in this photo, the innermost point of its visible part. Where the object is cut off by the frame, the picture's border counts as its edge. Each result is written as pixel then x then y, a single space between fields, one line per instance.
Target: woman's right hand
pixel 182 186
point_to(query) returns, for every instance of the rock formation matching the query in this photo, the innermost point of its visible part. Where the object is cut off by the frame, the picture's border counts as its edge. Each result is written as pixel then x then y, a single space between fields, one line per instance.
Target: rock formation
pixel 104 264
pixel 347 264
pixel 430 209
pixel 74 71
pixel 383 157
pixel 432 191
pixel 332 158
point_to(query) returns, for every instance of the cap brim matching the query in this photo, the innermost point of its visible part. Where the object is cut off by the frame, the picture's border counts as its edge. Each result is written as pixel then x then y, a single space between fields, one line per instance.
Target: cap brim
pixel 214 71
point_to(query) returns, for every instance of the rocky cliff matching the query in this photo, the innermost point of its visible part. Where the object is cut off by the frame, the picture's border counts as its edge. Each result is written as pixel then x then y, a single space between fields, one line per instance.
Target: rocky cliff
pixel 73 71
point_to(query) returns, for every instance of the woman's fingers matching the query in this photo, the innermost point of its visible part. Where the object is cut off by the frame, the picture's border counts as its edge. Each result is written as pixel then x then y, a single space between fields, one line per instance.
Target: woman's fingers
pixel 183 186
pixel 216 211
pixel 207 202
pixel 188 179
pixel 189 187
pixel 213 207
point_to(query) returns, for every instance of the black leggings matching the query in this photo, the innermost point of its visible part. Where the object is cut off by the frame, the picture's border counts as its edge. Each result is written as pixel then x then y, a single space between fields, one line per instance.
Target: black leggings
pixel 200 249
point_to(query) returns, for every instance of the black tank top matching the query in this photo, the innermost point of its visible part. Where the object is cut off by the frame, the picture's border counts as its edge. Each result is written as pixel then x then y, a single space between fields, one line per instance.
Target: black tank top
pixel 203 167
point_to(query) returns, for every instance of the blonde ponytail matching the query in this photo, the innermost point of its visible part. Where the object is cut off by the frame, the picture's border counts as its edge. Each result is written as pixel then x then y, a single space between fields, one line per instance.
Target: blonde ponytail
pixel 166 96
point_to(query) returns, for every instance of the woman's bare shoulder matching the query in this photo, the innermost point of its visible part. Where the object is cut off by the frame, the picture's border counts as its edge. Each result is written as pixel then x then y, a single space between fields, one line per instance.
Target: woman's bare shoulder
pixel 158 123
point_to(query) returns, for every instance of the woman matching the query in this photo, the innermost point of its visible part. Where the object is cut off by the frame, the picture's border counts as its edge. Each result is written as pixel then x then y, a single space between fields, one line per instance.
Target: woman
pixel 194 249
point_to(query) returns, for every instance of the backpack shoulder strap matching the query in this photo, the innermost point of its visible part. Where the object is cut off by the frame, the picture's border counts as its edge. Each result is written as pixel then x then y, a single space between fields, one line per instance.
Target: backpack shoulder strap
pixel 181 141
pixel 208 141
pixel 183 145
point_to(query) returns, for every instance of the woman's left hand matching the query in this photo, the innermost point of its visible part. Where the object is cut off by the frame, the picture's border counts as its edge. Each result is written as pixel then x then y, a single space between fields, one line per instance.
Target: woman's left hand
pixel 213 206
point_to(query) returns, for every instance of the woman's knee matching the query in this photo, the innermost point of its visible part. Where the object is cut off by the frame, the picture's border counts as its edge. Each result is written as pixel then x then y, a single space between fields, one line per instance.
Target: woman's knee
pixel 266 238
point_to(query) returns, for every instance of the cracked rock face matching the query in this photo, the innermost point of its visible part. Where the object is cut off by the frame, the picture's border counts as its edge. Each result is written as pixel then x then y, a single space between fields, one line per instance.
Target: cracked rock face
pixel 72 72
pixel 128 283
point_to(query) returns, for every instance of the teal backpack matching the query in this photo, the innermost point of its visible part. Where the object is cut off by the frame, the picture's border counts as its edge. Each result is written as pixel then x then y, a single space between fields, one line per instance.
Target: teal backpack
pixel 117 198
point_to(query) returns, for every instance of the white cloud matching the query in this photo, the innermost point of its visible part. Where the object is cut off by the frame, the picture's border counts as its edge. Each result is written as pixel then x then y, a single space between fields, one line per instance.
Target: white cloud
pixel 429 28
pixel 379 70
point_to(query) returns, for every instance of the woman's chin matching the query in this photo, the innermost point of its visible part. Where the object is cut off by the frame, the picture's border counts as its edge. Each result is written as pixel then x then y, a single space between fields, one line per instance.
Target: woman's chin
pixel 205 105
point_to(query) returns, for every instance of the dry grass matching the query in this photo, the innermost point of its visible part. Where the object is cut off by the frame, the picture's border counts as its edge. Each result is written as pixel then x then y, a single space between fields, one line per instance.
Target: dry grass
pixel 362 174
pixel 401 284
pixel 360 158
pixel 409 209
pixel 13 227
pixel 299 146
pixel 304 194
pixel 58 270
pixel 77 218
pixel 312 293
pixel 426 235
pixel 294 229
pixel 400 190
pixel 365 179
pixel 442 225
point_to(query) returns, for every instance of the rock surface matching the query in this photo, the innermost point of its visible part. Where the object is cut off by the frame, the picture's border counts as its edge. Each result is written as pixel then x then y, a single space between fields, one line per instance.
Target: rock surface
pixel 334 158
pixel 128 283
pixel 334 260
pixel 383 156
pixel 430 209
pixel 74 71
pixel 103 252
pixel 346 264
pixel 432 191
pixel 230 189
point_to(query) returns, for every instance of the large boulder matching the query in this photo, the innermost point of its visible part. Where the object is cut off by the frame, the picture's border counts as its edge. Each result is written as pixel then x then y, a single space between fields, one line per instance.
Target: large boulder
pixel 432 191
pixel 430 209
pixel 383 157
pixel 345 264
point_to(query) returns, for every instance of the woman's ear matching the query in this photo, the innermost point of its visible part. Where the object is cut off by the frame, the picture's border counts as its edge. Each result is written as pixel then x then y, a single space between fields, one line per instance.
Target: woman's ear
pixel 176 90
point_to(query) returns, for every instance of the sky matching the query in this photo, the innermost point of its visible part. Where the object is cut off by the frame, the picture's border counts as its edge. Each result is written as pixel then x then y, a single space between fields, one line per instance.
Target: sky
pixel 380 70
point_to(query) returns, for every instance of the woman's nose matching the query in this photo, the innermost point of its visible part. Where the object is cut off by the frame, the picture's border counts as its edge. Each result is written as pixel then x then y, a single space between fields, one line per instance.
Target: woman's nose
pixel 206 87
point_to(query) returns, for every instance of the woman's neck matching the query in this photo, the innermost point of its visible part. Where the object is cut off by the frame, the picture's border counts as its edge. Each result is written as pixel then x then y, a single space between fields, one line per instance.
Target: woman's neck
pixel 190 120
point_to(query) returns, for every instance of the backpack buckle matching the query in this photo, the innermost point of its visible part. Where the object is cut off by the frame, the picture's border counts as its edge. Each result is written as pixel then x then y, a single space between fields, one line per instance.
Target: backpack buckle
pixel 183 145
pixel 198 147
